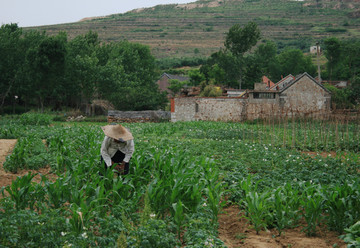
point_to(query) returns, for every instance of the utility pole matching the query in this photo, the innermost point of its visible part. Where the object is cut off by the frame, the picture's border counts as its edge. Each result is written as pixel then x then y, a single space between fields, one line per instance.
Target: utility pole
pixel 318 61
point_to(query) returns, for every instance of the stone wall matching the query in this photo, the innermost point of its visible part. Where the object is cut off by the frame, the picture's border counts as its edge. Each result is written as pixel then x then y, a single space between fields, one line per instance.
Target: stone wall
pixel 138 116
pixel 301 97
pixel 262 108
pixel 305 97
pixel 208 109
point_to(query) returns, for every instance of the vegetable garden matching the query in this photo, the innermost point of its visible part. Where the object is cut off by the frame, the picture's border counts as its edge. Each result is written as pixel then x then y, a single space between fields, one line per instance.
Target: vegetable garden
pixel 181 176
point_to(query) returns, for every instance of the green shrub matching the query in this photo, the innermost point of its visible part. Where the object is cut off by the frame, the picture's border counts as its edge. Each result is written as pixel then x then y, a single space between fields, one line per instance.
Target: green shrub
pixel 29 153
pixel 35 119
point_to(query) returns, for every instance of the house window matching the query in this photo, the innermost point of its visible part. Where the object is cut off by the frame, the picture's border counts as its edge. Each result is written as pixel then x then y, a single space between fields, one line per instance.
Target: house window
pixel 264 95
pixel 196 107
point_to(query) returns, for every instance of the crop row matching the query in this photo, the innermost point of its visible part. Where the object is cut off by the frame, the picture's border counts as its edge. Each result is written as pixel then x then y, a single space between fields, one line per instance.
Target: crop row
pixel 180 175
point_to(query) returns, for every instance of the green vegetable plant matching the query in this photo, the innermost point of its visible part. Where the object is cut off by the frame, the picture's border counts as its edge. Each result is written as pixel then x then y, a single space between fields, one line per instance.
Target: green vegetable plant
pixel 352 236
pixel 282 212
pixel 20 191
pixel 179 216
pixel 214 198
pixel 312 201
pixel 257 209
pixel 342 206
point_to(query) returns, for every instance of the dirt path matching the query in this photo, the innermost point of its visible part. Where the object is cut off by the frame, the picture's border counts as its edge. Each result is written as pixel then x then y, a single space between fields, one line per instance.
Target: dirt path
pixel 6 147
pixel 235 231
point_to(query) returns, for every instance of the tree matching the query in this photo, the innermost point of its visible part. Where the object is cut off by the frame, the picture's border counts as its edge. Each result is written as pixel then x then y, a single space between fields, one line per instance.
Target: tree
pixel 339 97
pixel 11 59
pixel 267 61
pixel 49 66
pixel 293 61
pixel 176 86
pixel 351 57
pixel 133 71
pixel 332 53
pixel 196 77
pixel 355 90
pixel 223 68
pixel 239 41
pixel 82 69
pixel 28 74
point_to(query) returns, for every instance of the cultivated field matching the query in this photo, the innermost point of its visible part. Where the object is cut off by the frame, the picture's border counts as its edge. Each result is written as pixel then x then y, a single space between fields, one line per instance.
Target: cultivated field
pixel 198 29
pixel 271 183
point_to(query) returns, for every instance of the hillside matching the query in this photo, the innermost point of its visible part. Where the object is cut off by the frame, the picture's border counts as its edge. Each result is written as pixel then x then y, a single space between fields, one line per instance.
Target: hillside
pixel 198 29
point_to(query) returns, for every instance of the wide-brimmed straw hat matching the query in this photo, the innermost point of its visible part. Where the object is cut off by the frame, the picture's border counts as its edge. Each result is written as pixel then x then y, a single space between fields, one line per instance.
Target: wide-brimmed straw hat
pixel 117 132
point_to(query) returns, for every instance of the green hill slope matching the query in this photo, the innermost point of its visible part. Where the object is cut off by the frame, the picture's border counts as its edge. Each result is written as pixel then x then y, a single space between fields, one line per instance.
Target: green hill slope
pixel 198 29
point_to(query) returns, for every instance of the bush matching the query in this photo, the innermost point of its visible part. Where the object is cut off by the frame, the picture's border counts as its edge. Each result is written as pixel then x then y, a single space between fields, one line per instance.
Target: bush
pixel 35 119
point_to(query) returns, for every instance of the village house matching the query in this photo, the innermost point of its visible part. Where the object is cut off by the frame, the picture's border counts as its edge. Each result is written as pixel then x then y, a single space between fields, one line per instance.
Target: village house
pixel 291 96
pixel 164 81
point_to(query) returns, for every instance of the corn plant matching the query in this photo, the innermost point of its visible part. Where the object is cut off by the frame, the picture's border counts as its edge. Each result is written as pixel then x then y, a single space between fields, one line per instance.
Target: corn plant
pixel 342 206
pixel 20 190
pixel 257 209
pixel 58 192
pixel 282 214
pixel 179 216
pixel 312 202
pixel 214 196
pixel 81 216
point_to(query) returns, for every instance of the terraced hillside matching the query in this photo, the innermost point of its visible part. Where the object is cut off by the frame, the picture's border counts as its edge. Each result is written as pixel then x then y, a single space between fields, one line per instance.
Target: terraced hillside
pixel 197 29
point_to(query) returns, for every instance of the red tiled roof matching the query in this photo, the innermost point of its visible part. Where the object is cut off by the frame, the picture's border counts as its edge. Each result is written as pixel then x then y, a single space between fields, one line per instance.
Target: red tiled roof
pixel 267 81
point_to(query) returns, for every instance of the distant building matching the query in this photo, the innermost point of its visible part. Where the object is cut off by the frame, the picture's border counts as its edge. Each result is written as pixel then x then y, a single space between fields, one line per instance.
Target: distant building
pixel 313 49
pixel 163 81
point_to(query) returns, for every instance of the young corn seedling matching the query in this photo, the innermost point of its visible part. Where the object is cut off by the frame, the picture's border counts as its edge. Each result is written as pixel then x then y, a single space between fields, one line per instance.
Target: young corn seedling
pixel 179 216
pixel 214 194
pixel 257 209
pixel 20 190
pixel 312 201
pixel 282 213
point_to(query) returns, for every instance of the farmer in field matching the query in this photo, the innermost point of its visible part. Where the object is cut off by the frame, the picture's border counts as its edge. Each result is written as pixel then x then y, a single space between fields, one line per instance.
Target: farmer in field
pixel 117 148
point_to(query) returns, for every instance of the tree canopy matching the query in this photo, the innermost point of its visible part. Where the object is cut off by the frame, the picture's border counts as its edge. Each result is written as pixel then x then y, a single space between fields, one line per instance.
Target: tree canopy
pixel 52 71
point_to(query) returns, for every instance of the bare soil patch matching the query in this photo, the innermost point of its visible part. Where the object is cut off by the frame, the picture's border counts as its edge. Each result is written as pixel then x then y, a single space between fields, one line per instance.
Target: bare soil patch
pixel 6 147
pixel 322 154
pixel 235 231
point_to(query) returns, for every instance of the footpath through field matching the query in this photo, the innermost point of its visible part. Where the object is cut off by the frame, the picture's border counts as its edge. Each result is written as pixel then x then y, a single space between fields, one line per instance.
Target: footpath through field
pixel 6 147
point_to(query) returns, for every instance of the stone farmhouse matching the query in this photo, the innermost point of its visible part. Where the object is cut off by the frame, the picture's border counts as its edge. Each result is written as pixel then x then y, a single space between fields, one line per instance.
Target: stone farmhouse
pixel 291 96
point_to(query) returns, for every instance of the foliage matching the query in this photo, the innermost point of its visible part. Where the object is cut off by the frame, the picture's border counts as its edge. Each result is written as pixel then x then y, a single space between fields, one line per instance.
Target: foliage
pixel 293 61
pixel 35 119
pixel 181 176
pixel 43 70
pixel 29 153
pixel 176 86
pixel 240 40
pixel 339 97
pixel 352 236
pixel 211 91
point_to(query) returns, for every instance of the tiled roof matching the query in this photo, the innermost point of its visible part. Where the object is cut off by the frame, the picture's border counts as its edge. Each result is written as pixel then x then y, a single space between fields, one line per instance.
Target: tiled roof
pixel 177 77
